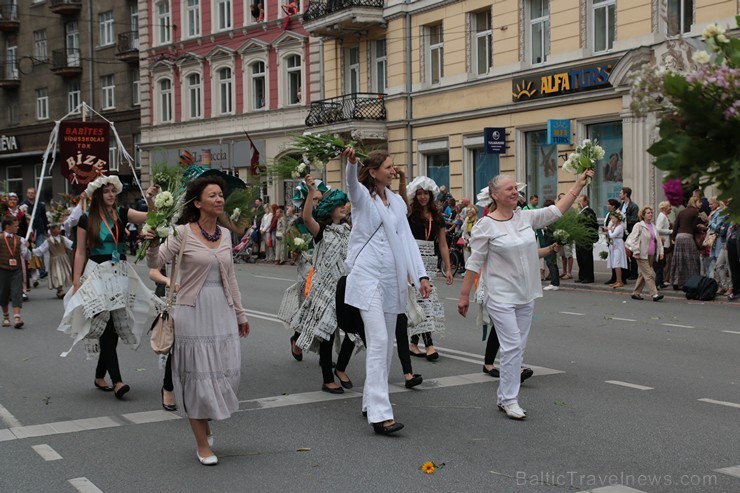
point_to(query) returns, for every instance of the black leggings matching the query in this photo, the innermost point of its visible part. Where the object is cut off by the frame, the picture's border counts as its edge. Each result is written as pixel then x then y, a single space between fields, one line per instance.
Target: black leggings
pixel 402 337
pixel 108 358
pixel 426 336
pixel 345 353
pixel 491 346
pixel 167 383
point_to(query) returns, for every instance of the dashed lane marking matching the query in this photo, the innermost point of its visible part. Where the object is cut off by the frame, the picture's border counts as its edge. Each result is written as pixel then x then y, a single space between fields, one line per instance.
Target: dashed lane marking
pixel 8 418
pixel 731 331
pixel 277 278
pixel 84 485
pixel 574 313
pixel 614 488
pixel 630 385
pixel 730 471
pixel 623 319
pixel 681 326
pixel 46 452
pixel 721 403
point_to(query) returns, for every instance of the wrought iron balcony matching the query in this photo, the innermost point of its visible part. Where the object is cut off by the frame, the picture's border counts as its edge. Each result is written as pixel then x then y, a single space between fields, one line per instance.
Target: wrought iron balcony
pixel 335 18
pixel 66 7
pixel 127 48
pixel 10 77
pixel 357 106
pixel 9 16
pixel 66 62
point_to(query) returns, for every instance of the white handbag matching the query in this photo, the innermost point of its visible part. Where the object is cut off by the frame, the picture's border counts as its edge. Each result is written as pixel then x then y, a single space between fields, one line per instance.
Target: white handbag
pixel 414 312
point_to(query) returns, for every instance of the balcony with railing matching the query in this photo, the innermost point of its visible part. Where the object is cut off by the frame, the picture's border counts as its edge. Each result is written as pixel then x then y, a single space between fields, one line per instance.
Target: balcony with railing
pixel 66 62
pixel 359 112
pixel 336 18
pixel 10 77
pixel 127 48
pixel 66 7
pixel 9 21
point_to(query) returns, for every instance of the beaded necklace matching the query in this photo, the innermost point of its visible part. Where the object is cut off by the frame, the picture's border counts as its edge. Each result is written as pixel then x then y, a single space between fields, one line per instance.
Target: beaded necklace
pixel 210 237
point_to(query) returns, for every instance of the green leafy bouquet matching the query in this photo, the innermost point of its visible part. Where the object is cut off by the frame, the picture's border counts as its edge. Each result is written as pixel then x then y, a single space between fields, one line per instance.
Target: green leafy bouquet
pixel 315 151
pixel 299 243
pixel 572 227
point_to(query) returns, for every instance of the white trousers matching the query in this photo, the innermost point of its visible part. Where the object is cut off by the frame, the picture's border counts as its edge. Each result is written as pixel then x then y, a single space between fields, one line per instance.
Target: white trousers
pixel 512 323
pixel 380 332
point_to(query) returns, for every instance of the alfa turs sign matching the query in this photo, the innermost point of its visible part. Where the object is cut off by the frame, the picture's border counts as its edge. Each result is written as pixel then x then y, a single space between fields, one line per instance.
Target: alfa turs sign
pixel 560 82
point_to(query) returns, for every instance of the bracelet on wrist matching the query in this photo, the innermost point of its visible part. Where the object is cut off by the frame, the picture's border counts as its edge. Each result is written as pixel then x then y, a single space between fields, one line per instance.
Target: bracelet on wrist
pixel 424 277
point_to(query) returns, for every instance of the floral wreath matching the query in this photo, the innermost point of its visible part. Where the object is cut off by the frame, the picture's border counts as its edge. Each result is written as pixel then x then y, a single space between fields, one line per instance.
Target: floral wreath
pixel 421 183
pixel 331 201
pixel 618 215
pixel 301 191
pixel 102 181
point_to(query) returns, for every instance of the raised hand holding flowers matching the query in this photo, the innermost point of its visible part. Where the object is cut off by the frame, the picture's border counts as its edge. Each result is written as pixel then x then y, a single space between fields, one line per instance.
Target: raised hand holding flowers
pixel 585 158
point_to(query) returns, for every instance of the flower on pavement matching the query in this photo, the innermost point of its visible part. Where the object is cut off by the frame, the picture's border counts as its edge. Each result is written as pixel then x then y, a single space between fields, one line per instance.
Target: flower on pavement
pixel 428 467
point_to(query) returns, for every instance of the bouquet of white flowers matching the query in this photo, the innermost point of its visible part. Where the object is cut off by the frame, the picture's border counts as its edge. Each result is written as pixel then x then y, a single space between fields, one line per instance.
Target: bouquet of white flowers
pixel 299 244
pixel 168 204
pixel 586 156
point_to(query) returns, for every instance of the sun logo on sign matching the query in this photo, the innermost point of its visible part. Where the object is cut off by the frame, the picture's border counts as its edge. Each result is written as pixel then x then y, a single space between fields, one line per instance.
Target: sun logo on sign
pixel 524 89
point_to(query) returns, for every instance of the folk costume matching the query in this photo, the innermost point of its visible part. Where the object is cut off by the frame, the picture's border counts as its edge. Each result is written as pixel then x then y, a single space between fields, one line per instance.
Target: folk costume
pixel 60 268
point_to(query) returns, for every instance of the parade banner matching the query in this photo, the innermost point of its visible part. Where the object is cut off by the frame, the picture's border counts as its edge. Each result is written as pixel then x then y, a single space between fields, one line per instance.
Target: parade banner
pixel 83 151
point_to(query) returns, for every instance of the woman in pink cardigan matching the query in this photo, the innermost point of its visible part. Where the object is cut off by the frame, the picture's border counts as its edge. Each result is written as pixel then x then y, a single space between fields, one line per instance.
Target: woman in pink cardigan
pixel 209 317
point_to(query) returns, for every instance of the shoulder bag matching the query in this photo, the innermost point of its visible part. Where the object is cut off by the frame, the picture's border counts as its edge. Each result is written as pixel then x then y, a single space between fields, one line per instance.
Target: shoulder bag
pixel 163 328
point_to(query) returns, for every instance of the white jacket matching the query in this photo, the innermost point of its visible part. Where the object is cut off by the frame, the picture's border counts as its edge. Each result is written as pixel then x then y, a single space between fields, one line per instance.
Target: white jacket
pixel 639 241
pixel 663 227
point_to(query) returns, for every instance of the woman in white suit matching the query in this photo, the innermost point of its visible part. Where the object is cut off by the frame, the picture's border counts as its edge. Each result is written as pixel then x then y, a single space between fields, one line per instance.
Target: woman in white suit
pixel 382 257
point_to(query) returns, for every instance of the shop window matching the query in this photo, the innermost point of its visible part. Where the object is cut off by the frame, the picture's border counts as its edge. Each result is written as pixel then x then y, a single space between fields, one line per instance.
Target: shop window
pixel 539 30
pixel 680 16
pixel 438 168
pixel 608 180
pixel 480 42
pixel 603 25
pixel 485 167
pixel 542 166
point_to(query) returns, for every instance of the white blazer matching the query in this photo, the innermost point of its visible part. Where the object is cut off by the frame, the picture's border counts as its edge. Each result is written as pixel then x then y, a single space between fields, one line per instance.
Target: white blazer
pixel 367 262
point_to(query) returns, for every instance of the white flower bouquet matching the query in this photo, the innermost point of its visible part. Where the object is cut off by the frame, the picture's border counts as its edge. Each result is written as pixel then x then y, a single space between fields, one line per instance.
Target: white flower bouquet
pixel 298 244
pixel 586 156
pixel 168 206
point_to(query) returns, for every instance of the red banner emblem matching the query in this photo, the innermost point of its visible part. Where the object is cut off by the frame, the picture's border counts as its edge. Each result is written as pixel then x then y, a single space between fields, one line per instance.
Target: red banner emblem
pixel 83 151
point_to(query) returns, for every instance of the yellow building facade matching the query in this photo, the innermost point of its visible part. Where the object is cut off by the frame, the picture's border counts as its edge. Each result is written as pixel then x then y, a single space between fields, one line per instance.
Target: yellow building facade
pixel 446 70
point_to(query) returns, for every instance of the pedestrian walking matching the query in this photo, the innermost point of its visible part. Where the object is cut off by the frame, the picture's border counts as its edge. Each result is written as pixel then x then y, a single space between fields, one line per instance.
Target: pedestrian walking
pixel 645 245
pixel 13 252
pixel 58 247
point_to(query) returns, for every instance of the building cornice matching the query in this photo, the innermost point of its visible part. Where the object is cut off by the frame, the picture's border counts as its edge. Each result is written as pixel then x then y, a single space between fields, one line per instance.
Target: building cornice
pixel 397 9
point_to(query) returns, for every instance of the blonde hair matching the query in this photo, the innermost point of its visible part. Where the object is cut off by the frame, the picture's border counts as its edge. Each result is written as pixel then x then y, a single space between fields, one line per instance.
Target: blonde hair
pixel 694 202
pixel 664 204
pixel 493 185
pixel 641 214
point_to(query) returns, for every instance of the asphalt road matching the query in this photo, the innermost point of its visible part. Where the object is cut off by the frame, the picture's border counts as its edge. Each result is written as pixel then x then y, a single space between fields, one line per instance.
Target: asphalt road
pixel 627 396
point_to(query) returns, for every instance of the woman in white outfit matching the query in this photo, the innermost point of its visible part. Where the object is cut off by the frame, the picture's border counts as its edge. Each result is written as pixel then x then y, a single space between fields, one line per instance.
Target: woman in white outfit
pixel 382 256
pixel 504 246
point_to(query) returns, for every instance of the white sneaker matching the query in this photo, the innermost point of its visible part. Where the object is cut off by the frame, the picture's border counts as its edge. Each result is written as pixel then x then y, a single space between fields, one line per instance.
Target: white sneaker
pixel 513 411
pixel 550 288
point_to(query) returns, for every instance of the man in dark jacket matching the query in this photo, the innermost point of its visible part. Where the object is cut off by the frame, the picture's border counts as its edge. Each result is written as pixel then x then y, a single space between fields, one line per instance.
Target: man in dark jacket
pixel 630 211
pixel 585 255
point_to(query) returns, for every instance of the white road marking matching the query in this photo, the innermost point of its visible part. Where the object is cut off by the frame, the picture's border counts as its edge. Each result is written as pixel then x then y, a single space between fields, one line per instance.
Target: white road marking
pixel 681 326
pixel 150 416
pixel 277 278
pixel 84 485
pixel 721 403
pixel 46 452
pixel 731 332
pixel 730 471
pixel 630 385
pixel 623 319
pixel 8 418
pixel 615 488
pixel 574 313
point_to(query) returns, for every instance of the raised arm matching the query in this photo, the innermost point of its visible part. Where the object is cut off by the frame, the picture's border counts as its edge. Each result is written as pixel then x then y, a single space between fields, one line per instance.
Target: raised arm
pixel 307 213
pixel 353 182
pixel 566 202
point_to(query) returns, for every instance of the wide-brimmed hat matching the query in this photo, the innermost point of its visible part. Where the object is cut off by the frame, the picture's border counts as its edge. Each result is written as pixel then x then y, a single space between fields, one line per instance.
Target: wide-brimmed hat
pixel 301 191
pixel 102 181
pixel 196 171
pixel 331 201
pixel 421 183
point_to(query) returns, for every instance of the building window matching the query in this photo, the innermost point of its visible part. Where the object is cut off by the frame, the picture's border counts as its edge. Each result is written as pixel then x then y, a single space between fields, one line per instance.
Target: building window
pixel 14 113
pixel 435 53
pixel 539 30
pixel 225 87
pixel 608 180
pixel 195 91
pixel 481 43
pixel 293 78
pixel 193 18
pixel 164 22
pixel 40 47
pixel 42 104
pixel 438 168
pixel 258 85
pixel 133 10
pixel 165 101
pixel 72 43
pixel 74 96
pixel 485 166
pixel 11 63
pixel 105 21
pixel 113 158
pixel 680 16
pixel 46 188
pixel 137 151
pixel 135 78
pixel 380 65
pixel 108 86
pixel 14 179
pixel 604 24
pixel 541 161
pixel 223 15
pixel 352 79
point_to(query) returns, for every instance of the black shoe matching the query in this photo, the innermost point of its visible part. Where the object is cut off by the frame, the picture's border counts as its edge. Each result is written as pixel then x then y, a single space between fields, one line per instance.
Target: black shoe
pixel 492 372
pixel 347 384
pixel 418 355
pixel 338 390
pixel 296 356
pixel 414 381
pixel 122 391
pixel 526 373
pixel 657 297
pixel 104 388
pixel 587 282
pixel 433 357
pixel 387 430
pixel 676 287
pixel 43 275
pixel 364 414
pixel 577 281
pixel 167 407
pixel 637 297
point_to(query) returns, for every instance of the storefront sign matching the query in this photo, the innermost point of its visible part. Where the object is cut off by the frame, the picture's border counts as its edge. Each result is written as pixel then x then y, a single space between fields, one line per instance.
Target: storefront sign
pixel 212 155
pixel 558 83
pixel 83 150
pixel 558 132
pixel 494 140
pixel 8 143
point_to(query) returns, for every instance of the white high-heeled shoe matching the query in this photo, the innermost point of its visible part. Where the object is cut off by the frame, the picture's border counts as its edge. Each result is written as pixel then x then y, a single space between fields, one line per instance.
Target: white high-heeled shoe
pixel 211 460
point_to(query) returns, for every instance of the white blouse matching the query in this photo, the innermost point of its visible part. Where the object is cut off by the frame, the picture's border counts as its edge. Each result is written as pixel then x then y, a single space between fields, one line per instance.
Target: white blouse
pixel 508 252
